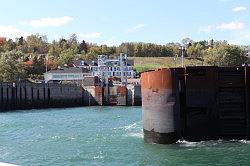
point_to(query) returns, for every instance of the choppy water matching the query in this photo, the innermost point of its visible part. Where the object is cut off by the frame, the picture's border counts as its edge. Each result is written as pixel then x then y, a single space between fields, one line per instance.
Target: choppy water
pixel 102 136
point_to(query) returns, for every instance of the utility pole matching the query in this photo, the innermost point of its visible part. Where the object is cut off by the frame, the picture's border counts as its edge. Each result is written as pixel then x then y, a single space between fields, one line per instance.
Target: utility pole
pixel 46 62
pixel 182 56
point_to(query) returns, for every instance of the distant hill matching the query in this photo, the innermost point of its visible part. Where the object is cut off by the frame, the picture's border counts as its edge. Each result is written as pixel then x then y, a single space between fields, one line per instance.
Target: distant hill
pixel 149 63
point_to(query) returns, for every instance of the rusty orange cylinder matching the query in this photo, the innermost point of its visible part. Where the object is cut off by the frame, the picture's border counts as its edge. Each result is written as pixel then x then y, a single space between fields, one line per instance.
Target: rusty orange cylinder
pixel 160 107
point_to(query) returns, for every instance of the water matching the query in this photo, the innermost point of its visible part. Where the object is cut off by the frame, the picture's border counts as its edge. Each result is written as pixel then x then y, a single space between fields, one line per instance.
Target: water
pixel 102 136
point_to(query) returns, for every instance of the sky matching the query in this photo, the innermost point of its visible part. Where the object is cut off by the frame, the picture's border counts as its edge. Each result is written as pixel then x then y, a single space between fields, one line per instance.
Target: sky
pixel 112 22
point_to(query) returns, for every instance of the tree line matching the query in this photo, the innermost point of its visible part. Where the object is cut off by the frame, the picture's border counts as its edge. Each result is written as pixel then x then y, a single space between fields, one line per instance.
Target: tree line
pixel 27 57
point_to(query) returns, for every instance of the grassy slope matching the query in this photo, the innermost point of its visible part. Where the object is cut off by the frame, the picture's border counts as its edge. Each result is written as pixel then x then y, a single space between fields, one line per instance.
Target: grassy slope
pixel 149 63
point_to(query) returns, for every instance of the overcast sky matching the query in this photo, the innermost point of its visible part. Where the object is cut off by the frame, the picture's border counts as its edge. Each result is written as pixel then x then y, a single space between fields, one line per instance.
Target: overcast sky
pixel 114 21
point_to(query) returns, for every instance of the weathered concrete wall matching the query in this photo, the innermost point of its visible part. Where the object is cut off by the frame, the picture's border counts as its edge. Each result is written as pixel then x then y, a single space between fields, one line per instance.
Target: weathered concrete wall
pixel 93 95
pixel 99 95
pixel 160 106
pixel 25 95
pixel 134 94
pixel 121 95
pixel 111 94
pixel 114 95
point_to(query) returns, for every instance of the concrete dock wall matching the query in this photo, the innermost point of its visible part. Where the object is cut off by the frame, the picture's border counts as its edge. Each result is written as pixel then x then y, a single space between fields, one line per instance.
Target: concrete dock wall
pixel 26 95
pixel 121 95
pixel 134 97
pixel 129 95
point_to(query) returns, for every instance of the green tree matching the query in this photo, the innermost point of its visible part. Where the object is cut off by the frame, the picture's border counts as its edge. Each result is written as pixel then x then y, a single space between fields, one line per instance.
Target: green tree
pixel 72 41
pixel 67 56
pixel 195 50
pixel 83 47
pixel 187 42
pixel 54 50
pixel 11 68
pixel 225 55
pixel 9 45
pixel 37 44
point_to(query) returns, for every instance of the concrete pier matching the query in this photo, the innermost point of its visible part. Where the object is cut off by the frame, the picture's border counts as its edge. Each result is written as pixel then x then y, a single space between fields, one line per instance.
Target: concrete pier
pixel 134 97
pixel 26 95
pixel 160 105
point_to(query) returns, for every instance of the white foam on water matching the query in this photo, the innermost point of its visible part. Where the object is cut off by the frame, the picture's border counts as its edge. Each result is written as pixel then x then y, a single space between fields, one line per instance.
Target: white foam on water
pixel 7 164
pixel 189 143
pixel 56 137
pixel 98 157
pixel 131 126
pixel 137 135
pixel 244 141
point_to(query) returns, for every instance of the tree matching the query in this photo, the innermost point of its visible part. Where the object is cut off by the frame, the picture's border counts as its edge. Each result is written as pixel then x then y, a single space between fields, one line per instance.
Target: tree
pixel 11 68
pixel 187 42
pixel 211 57
pixel 232 55
pixel 67 56
pixel 54 50
pixel 225 55
pixel 195 50
pixel 83 47
pixel 72 41
pixel 9 45
pixel 37 44
pixel 63 44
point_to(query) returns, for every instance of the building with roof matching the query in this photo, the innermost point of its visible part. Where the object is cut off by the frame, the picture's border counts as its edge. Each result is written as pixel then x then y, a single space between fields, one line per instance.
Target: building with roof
pixel 67 74
pixel 106 68
pixel 87 64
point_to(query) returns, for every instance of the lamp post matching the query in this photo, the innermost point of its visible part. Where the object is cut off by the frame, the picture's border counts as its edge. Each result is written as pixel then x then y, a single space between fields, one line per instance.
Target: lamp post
pixel 182 58
pixel 175 58
pixel 182 48
pixel 46 62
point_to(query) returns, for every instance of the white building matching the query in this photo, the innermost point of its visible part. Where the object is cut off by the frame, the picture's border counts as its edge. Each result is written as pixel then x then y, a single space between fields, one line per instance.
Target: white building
pixel 106 68
pixel 66 74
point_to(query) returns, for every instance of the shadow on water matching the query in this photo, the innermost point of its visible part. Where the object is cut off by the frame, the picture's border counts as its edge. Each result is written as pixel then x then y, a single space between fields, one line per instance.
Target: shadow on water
pixel 219 152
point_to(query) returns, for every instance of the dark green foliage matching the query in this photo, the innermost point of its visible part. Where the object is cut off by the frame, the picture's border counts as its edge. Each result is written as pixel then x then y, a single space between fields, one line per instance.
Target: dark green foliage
pixel 225 55
pixel 10 67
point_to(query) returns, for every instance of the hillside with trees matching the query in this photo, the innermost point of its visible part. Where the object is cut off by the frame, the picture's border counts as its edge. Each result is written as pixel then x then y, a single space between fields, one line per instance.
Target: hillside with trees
pixel 27 57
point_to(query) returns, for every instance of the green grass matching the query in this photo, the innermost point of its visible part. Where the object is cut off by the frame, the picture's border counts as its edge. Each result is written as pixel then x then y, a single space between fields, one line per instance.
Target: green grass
pixel 150 63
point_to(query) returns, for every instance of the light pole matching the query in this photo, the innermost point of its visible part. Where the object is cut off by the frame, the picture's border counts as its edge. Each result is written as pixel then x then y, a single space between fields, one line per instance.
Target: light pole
pixel 46 62
pixel 175 58
pixel 182 56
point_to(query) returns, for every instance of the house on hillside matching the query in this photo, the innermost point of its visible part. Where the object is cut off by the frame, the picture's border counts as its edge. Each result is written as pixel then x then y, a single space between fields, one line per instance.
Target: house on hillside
pixel 107 67
pixel 87 64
